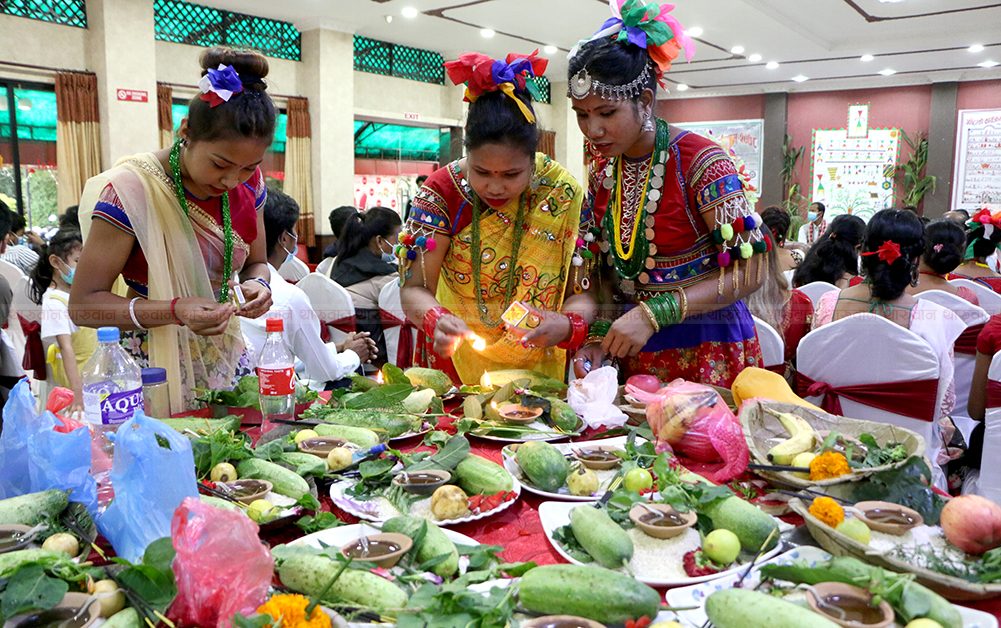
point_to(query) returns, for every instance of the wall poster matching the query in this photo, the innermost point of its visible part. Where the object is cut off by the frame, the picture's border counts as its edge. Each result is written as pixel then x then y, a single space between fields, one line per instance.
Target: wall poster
pixel 977 175
pixel 743 137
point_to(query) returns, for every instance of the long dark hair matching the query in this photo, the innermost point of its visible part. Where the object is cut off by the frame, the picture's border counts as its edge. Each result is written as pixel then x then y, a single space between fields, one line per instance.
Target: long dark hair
pixel 888 281
pixel 62 245
pixel 833 254
pixel 361 228
pixel 495 119
pixel 247 114
pixel 944 245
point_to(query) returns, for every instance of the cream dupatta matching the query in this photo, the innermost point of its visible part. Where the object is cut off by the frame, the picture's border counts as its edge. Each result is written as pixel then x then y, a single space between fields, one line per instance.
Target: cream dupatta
pixel 176 269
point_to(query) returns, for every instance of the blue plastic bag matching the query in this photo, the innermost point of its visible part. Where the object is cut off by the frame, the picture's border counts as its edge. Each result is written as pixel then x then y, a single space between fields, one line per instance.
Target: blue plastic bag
pixel 19 423
pixel 151 477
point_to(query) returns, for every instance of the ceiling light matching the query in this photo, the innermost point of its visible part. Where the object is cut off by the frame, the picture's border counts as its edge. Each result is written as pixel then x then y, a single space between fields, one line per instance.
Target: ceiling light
pixel 754 58
pixel 771 65
pixel 550 50
pixel 887 72
pixel 800 78
pixel 737 50
pixel 24 104
pixel 389 19
pixel 681 87
pixel 694 32
pixel 409 12
pixel 988 64
pixel 976 48
pixel 866 58
pixel 488 33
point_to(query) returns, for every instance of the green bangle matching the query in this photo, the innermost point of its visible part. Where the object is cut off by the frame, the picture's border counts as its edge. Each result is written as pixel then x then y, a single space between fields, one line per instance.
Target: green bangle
pixel 664 308
pixel 600 328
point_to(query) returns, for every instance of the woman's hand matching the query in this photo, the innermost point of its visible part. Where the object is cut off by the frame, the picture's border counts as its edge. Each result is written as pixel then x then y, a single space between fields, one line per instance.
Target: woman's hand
pixel 552 329
pixel 204 317
pixel 629 334
pixel 588 358
pixel 258 299
pixel 449 333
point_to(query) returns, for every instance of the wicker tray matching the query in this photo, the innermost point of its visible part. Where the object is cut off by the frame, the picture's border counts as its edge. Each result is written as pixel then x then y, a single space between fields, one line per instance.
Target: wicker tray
pixel 763 431
pixel 949 587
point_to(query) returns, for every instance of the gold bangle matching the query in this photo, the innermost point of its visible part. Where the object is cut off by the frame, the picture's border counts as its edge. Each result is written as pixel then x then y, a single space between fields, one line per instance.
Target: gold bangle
pixel 684 304
pixel 649 314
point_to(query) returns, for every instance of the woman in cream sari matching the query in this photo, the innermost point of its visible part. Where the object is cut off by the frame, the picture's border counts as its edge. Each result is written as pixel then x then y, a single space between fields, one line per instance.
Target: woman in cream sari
pixel 177 224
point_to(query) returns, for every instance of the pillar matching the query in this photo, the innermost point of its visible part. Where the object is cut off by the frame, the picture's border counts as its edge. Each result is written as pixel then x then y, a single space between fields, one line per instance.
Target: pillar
pixel 569 140
pixel 775 129
pixel 941 147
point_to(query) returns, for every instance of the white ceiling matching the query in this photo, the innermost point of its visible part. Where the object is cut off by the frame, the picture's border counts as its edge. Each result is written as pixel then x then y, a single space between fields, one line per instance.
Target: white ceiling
pixel 924 41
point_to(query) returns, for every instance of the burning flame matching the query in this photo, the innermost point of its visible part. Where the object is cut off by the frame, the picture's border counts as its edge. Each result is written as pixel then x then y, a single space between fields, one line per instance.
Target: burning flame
pixel 486 380
pixel 493 404
pixel 379 378
pixel 478 343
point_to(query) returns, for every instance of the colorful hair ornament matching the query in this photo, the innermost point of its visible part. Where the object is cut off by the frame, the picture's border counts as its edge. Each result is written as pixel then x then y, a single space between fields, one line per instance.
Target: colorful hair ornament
pixel 937 248
pixel 482 74
pixel 888 252
pixel 219 85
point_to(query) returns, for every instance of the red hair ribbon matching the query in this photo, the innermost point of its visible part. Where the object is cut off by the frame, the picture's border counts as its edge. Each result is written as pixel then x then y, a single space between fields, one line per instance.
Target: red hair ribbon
pixel 482 74
pixel 888 252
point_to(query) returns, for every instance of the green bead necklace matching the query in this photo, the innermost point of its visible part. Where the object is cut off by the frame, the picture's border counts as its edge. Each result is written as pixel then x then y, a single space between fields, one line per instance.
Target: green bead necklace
pixel 227 221
pixel 519 229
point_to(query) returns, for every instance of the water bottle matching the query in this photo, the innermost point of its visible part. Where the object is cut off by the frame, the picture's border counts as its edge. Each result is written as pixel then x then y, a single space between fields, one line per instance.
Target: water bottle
pixel 276 372
pixel 112 392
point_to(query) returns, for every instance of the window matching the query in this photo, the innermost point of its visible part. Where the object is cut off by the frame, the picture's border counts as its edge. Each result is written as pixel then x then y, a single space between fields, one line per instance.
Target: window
pixel 379 57
pixel 28 168
pixel 197 25
pixel 375 140
pixel 67 12
pixel 545 91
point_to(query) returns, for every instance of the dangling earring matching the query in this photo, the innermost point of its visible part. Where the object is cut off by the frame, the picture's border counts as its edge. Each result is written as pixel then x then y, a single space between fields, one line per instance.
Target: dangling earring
pixel 533 183
pixel 649 124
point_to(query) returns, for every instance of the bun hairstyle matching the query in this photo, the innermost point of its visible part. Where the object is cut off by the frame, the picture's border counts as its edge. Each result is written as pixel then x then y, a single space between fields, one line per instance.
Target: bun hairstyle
pixel 359 229
pixel 888 280
pixel 778 222
pixel 833 254
pixel 982 247
pixel 62 244
pixel 613 62
pixel 249 114
pixel 496 119
pixel 945 242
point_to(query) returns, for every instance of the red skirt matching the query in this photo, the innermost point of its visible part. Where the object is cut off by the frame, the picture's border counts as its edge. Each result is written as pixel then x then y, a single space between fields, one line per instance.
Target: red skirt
pixel 713 363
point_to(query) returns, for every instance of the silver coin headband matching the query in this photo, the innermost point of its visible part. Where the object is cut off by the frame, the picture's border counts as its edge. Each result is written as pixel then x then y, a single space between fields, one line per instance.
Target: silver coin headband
pixel 582 84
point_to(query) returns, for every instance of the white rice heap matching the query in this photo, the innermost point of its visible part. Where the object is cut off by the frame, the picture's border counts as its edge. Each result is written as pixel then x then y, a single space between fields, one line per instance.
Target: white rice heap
pixel 929 538
pixel 661 558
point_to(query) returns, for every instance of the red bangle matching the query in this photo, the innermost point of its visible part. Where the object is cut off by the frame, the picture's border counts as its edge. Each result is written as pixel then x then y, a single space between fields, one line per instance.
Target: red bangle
pixel 578 334
pixel 431 319
pixel 173 313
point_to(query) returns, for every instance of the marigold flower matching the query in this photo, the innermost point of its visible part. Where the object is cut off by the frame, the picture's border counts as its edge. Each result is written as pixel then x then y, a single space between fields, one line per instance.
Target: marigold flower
pixel 828 511
pixel 291 608
pixel 828 465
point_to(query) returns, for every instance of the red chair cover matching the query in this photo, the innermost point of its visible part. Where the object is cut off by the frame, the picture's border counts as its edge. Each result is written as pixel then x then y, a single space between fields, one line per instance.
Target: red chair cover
pixel 777 368
pixel 967 341
pixel 993 394
pixel 34 352
pixel 914 399
pixel 404 351
pixel 346 324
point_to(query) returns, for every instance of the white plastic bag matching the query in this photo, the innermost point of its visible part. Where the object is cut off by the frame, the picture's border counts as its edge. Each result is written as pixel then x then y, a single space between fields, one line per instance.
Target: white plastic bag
pixel 593 399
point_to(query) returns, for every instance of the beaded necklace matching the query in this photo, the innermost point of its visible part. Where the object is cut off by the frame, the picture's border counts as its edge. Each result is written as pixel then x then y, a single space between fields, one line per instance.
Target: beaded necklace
pixel 227 222
pixel 519 228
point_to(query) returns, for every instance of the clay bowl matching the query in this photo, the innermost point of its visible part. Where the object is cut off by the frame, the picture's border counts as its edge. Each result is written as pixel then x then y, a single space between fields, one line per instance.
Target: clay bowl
pixel 518 414
pixel 603 458
pixel 422 482
pixel 882 616
pixel 561 621
pixel 399 544
pixel 250 490
pixel 8 537
pixel 905 518
pixel 321 445
pixel 64 610
pixel 644 520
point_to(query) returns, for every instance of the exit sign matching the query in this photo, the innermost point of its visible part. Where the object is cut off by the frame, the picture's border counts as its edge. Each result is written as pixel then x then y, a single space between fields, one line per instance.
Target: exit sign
pixel 412 116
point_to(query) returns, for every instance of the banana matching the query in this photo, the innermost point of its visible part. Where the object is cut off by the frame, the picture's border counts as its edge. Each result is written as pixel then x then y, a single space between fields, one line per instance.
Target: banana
pixel 801 438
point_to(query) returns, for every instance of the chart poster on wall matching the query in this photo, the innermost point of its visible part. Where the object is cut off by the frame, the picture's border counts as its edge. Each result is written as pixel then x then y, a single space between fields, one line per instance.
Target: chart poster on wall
pixel 388 191
pixel 743 137
pixel 977 174
pixel 854 175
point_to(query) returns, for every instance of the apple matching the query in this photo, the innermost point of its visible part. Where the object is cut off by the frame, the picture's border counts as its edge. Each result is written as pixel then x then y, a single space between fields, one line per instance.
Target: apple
pixel 972 523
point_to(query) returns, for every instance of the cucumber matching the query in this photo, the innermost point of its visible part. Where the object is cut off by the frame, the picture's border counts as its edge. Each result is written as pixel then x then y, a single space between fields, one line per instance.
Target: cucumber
pixel 33 508
pixel 544 465
pixel 604 596
pixel 231 423
pixel 435 543
pixel 478 475
pixel 740 608
pixel 429 378
pixel 361 436
pixel 305 464
pixel 285 482
pixel 218 502
pixel 309 575
pixel 125 618
pixel 392 424
pixel 562 415
pixel 12 561
pixel 747 521
pixel 601 537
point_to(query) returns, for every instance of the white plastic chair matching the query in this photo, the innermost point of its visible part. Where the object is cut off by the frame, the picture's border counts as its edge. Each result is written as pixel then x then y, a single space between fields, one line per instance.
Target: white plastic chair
pixel 817 289
pixel 867 349
pixel 331 302
pixel 294 270
pixel 324 266
pixel 989 483
pixel 773 346
pixel 389 302
pixel 989 300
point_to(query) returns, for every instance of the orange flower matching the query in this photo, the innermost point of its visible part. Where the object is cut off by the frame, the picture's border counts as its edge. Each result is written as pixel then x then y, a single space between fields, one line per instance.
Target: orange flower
pixel 828 465
pixel 291 609
pixel 828 511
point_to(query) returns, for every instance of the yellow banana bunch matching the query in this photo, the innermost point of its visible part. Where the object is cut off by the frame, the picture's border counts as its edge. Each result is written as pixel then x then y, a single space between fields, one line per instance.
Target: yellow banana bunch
pixel 671 418
pixel 801 438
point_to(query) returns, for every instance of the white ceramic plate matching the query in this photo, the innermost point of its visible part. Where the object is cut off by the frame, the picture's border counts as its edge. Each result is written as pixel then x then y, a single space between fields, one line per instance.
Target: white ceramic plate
pixel 564 493
pixel 352 506
pixel 538 425
pixel 336 537
pixel 696 595
pixel 555 515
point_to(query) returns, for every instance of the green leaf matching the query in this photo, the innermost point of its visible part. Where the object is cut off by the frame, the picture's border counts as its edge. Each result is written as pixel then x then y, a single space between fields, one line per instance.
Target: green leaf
pixel 436 438
pixel 308 502
pixel 869 441
pixel 431 562
pixel 153 578
pixel 447 458
pixel 382 397
pixel 29 588
pixel 260 621
pixel 516 570
pixel 394 374
pixel 907 485
pixel 376 468
pixel 160 554
pixel 565 537
pixel 830 441
pixel 319 521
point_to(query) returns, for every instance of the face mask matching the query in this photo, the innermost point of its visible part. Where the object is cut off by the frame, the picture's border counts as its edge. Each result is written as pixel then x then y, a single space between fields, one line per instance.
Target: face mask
pixel 68 277
pixel 811 216
pixel 389 258
pixel 295 249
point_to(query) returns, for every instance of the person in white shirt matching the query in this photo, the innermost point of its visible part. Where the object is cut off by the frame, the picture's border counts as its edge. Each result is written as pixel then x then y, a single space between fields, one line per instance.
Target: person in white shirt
pixel 321 362
pixel 18 252
pixel 811 231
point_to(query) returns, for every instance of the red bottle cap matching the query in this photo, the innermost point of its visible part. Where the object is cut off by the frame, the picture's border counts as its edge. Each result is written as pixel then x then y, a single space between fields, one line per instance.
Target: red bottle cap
pixel 275 324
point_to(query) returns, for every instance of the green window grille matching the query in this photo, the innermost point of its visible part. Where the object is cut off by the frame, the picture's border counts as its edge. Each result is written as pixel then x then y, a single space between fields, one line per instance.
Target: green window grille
pixel 180 111
pixel 375 140
pixel 197 25
pixel 544 89
pixel 66 12
pixel 379 57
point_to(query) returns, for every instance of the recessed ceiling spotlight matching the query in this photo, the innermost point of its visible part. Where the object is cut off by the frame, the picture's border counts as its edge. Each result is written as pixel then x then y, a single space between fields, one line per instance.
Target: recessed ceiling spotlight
pixel 976 48
pixel 772 65
pixel 681 87
pixel 866 58
pixel 409 12
pixel 488 33
pixel 737 50
pixel 800 78
pixel 550 50
pixel 754 58
pixel 988 64
pixel 389 19
pixel 694 32
pixel 887 72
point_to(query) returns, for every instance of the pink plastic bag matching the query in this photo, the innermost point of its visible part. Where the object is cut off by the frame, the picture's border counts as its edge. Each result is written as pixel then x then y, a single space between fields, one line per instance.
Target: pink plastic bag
pixel 693 420
pixel 60 399
pixel 221 568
